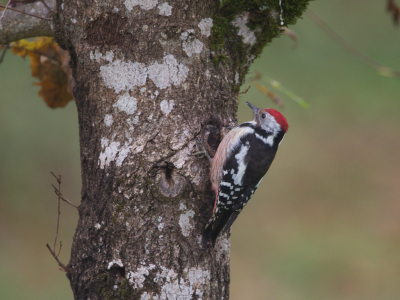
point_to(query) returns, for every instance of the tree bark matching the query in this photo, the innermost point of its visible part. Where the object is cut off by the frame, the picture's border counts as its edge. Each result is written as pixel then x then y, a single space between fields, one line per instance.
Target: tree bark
pixel 15 26
pixel 151 76
pixel 142 99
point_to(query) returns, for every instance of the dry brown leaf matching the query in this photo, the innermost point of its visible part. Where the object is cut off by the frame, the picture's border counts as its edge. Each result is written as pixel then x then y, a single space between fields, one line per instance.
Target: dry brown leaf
pixel 50 64
pixel 394 9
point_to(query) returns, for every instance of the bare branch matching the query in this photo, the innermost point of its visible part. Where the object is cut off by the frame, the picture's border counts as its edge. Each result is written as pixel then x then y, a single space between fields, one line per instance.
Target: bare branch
pixel 53 252
pixel 59 251
pixel 5 9
pixel 56 258
pixel 24 13
pixel 59 212
pixel 58 178
pixel 15 25
pixel 58 193
pixel 245 91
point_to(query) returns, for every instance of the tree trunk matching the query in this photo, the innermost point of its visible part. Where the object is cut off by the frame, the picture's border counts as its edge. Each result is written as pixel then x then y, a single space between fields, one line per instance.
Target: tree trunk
pixel 151 76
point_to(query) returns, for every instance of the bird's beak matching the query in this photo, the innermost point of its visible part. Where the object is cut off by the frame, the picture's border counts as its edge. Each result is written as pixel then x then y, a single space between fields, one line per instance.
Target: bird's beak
pixel 254 108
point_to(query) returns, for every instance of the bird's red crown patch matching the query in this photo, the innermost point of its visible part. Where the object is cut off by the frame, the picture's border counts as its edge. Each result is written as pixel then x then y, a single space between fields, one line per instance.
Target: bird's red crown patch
pixel 280 119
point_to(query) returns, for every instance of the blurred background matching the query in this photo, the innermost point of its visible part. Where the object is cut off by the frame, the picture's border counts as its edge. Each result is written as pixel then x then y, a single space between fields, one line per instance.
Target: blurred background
pixel 325 222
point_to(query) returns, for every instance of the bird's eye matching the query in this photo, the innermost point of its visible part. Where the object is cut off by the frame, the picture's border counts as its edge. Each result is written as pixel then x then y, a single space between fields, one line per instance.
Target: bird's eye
pixel 263 116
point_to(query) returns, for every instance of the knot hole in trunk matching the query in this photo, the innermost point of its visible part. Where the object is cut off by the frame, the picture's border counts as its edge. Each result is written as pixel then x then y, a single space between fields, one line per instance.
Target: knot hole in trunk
pixel 170 183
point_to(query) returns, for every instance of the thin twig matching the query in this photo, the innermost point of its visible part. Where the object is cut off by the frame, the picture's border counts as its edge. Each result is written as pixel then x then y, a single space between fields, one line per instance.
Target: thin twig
pixel 63 198
pixel 350 48
pixel 59 251
pixel 45 4
pixel 59 211
pixel 245 91
pixel 53 252
pixel 22 12
pixel 5 9
pixel 56 258
pixel 58 225
pixel 4 52
pixel 58 179
pixel 58 191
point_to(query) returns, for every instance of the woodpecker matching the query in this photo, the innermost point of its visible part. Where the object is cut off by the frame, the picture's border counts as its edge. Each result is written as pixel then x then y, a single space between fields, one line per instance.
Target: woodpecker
pixel 242 159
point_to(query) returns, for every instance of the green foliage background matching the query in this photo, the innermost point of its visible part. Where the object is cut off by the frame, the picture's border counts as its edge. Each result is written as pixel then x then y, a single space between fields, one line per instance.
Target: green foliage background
pixel 324 223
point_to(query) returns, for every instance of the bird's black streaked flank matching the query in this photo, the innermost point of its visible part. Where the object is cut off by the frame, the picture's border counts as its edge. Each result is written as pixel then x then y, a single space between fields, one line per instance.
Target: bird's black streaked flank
pixel 242 159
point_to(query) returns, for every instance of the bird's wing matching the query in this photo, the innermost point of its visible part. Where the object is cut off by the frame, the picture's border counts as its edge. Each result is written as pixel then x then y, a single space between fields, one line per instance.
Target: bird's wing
pixel 224 153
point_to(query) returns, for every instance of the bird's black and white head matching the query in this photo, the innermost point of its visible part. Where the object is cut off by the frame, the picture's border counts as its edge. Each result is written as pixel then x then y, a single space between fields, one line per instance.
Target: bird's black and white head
pixel 269 119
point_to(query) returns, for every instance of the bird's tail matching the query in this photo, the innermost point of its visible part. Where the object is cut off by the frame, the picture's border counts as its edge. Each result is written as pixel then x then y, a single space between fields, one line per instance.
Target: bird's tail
pixel 207 234
pixel 215 226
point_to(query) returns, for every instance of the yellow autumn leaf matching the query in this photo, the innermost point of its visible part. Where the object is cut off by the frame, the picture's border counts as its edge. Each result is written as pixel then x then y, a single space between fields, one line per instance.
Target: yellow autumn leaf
pixel 49 63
